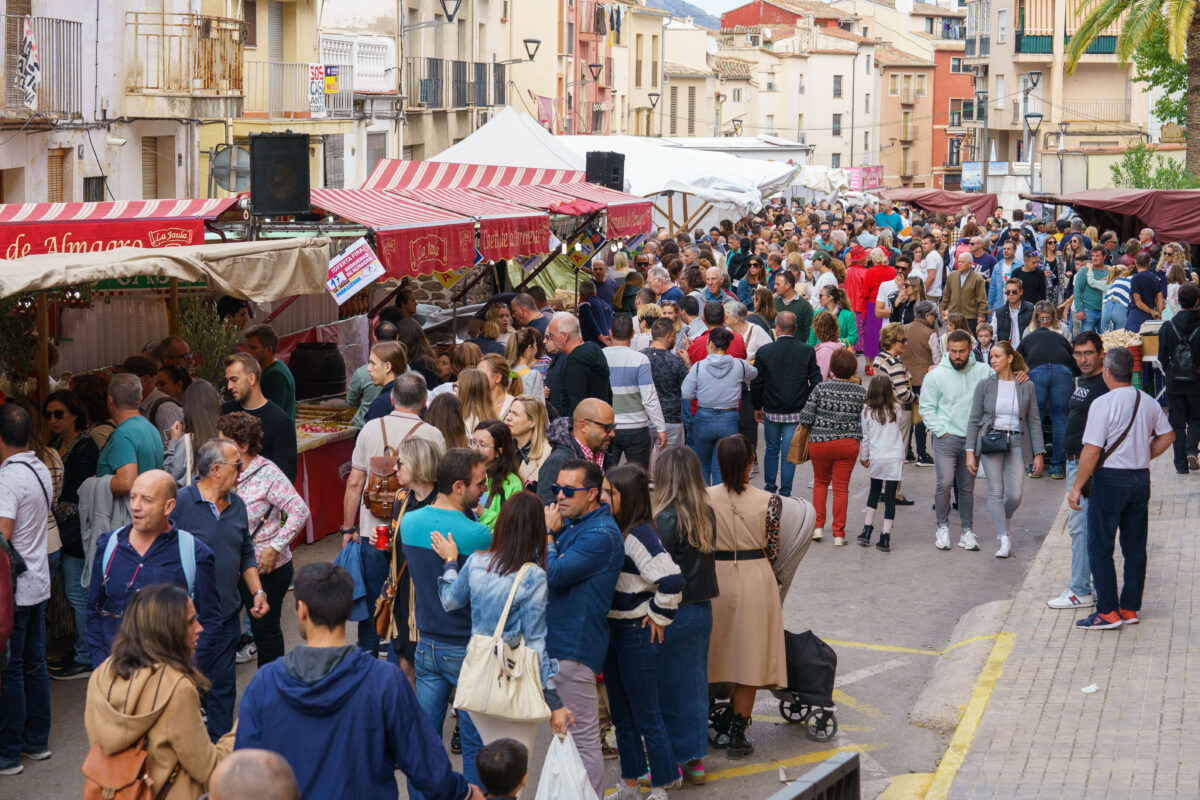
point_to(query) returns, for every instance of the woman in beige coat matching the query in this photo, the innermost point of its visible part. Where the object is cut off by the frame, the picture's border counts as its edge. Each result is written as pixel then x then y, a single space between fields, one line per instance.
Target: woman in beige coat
pixel 148 688
pixel 746 647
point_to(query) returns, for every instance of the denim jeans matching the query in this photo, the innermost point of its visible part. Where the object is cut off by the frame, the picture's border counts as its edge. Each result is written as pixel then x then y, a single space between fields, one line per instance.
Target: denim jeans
pixel 1081 570
pixel 710 427
pixel 375 571
pixel 689 420
pixel 1113 316
pixel 1120 502
pixel 1091 321
pixel 222 674
pixel 779 439
pixel 1005 475
pixel 72 577
pixel 1054 384
pixel 437 667
pixel 25 688
pixel 683 680
pixel 635 443
pixel 629 677
pixel 1183 411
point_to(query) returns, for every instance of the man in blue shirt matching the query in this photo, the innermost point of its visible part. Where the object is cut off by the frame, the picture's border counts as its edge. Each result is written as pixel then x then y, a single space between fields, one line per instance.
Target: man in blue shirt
pixel 983 260
pixel 606 287
pixel 136 445
pixel 887 218
pixel 210 511
pixel 148 552
pixel 584 554
pixel 444 635
pixel 659 281
pixel 343 719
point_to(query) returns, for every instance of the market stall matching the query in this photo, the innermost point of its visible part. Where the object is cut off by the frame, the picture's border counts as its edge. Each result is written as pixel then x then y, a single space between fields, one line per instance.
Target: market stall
pixel 1173 214
pixel 943 201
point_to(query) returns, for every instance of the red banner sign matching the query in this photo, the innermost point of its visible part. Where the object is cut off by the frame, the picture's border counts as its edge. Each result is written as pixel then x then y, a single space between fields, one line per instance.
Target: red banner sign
pixel 17 241
pixel 510 237
pixel 425 250
pixel 629 219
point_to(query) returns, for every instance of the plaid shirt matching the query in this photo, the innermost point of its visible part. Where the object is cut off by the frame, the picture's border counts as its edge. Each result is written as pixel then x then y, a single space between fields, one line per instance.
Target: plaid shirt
pixel 596 457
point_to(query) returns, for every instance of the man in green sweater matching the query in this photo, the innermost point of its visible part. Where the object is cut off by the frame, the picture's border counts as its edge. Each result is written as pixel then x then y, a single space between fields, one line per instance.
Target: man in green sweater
pixel 1089 292
pixel 277 383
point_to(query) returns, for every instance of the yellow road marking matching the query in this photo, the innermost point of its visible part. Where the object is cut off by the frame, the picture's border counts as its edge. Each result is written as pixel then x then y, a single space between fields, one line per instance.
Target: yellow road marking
pixel 807 758
pixel 892 648
pixel 911 786
pixel 843 699
pixel 964 734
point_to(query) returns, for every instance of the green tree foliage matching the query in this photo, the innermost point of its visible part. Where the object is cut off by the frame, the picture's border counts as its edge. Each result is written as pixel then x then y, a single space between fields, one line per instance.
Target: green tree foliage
pixel 211 339
pixel 1141 168
pixel 1156 67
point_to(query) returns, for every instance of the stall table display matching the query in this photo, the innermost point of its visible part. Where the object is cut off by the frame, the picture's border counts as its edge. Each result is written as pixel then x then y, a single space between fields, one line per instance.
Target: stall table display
pixel 324 444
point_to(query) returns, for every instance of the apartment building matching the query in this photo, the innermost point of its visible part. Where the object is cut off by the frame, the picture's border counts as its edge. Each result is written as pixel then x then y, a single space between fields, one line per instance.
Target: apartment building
pixel 638 63
pixel 906 118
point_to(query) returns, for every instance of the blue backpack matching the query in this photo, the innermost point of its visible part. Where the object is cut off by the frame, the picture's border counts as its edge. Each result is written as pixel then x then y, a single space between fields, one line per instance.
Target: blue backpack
pixel 187 557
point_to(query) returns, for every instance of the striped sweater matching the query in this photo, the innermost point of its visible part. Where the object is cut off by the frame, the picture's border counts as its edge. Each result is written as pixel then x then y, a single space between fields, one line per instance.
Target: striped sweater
pixel 650 583
pixel 635 400
pixel 893 367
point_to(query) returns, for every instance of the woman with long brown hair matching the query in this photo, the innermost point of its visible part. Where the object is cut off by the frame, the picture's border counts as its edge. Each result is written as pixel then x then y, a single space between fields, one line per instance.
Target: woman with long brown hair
pixel 493 440
pixel 475 397
pixel 387 361
pixel 148 687
pixel 487 577
pixel 522 353
pixel 764 310
pixel 416 346
pixel 445 414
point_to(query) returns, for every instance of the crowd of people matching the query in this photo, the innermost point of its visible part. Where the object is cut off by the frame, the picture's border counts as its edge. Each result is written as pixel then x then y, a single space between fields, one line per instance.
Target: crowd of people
pixel 578 483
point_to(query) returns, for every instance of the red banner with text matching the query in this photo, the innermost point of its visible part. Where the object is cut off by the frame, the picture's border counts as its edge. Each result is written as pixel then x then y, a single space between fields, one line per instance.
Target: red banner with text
pixel 18 241
pixel 409 252
pixel 629 219
pixel 509 237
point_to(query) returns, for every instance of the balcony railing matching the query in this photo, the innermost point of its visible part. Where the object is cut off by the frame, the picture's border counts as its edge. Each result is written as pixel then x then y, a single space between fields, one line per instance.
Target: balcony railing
pixel 969 47
pixel 460 84
pixel 59 43
pixel 499 85
pixel 907 96
pixel 1100 46
pixel 1096 110
pixel 1038 44
pixel 908 132
pixel 433 83
pixel 609 80
pixel 906 169
pixel 371 59
pixel 184 54
pixel 281 91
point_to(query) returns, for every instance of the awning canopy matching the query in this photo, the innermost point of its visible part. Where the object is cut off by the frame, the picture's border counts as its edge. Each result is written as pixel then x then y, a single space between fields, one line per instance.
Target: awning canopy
pixel 506 230
pixel 396 175
pixel 627 215
pixel 262 270
pixel 1174 214
pixel 981 205
pixel 544 197
pixel 28 229
pixel 411 238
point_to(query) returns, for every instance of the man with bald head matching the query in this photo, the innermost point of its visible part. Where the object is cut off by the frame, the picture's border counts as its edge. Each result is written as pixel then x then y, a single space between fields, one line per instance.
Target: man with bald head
pixel 586 436
pixel 253 774
pixel 151 549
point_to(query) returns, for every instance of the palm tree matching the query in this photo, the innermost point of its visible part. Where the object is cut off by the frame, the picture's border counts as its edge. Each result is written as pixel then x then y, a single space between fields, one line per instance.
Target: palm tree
pixel 1177 20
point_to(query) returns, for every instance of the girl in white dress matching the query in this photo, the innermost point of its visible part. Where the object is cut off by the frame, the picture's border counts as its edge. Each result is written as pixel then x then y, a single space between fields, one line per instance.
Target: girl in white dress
pixel 882 454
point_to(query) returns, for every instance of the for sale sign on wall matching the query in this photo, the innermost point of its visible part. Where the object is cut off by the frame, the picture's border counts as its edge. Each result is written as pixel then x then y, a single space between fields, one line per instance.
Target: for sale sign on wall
pixel 352 271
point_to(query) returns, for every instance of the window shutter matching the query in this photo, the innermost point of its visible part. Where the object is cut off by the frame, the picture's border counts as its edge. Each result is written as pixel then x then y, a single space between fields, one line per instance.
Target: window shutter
pixel 149 167
pixel 54 175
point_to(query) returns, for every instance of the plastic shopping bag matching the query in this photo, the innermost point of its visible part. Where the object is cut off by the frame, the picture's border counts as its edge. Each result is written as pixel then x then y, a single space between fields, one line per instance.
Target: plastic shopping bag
pixel 563 775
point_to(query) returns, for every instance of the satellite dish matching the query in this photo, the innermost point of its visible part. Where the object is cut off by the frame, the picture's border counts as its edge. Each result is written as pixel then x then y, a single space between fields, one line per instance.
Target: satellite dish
pixel 229 167
pixel 710 45
pixel 766 33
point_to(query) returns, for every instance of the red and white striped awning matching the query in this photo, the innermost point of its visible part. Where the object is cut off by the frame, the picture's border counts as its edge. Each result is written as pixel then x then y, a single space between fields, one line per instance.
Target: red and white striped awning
pixel 506 230
pixel 396 175
pixel 34 228
pixel 411 238
pixel 543 196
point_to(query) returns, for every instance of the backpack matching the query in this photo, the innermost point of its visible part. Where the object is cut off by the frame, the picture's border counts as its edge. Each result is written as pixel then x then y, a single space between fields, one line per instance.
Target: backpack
pixel 187 557
pixel 383 475
pixel 152 414
pixel 124 775
pixel 1183 367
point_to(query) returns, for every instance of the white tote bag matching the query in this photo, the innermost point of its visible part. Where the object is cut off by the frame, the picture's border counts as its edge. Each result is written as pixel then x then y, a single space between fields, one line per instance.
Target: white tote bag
pixel 563 774
pixel 499 680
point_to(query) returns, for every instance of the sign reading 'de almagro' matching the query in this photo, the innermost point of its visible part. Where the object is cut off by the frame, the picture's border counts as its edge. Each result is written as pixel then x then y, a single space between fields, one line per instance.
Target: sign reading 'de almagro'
pixel 352 271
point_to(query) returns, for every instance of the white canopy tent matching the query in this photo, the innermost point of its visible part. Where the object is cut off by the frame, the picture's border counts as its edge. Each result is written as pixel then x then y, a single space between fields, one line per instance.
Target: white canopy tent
pixel 715 184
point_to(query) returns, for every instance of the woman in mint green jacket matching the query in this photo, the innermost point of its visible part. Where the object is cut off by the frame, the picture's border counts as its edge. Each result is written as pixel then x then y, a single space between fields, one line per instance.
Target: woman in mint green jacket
pixel 834 301
pixel 494 441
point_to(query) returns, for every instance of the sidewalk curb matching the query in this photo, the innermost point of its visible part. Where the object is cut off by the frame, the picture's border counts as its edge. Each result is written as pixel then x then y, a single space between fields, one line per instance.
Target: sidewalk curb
pixel 941 703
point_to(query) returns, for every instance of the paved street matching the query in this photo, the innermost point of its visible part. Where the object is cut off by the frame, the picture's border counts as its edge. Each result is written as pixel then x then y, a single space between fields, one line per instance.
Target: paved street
pixel 887 616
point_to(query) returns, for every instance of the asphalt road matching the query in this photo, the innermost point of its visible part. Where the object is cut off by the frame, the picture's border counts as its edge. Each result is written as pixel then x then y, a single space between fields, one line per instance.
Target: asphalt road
pixel 908 599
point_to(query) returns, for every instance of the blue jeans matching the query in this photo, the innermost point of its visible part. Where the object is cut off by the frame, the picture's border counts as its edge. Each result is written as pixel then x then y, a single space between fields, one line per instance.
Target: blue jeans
pixel 1120 502
pixel 25 688
pixel 683 680
pixel 1091 321
pixel 72 575
pixel 437 668
pixel 375 571
pixel 633 702
pixel 1081 570
pixel 222 675
pixel 710 427
pixel 1054 384
pixel 689 420
pixel 1113 316
pixel 779 439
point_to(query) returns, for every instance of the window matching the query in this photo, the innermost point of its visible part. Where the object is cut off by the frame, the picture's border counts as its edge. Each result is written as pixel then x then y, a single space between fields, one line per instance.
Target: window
pixel 250 7
pixel 929 24
pixel 376 150
pixel 691 111
pixel 837 85
pixel 835 160
pixel 867 102
pixel 866 32
pixel 999 92
pixel 637 64
pixel 866 140
pixel 800 127
pixel 737 95
pixel 58 180
pixel 867 71
pixel 1001 25
pixel 921 79
pixel 801 84
pixel 954 152
pixel 333 147
pixel 672 108
pixel 771 124
pixel 837 124
pixel 956 65
pixel 893 85
pixel 94 189
pixel 769 80
pixel 654 60
pixel 570 38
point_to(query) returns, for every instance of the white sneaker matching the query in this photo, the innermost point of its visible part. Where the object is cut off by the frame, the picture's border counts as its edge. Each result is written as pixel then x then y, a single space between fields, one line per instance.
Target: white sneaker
pixel 967 541
pixel 15 769
pixel 627 792
pixel 1005 547
pixel 818 534
pixel 1070 600
pixel 941 539
pixel 839 541
pixel 658 793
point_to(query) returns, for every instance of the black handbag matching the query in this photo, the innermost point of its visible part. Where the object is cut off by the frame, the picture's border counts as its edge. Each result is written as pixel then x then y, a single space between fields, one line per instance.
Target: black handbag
pixel 993 443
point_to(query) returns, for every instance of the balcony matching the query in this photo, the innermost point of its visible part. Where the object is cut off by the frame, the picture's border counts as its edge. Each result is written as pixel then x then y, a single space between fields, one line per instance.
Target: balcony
pixel 183 65
pixel 1034 44
pixel 1100 46
pixel 435 83
pixel 907 168
pixel 59 93
pixel 593 21
pixel 282 91
pixel 371 56
pixel 956 119
pixel 1095 111
pixel 974 113
pixel 908 132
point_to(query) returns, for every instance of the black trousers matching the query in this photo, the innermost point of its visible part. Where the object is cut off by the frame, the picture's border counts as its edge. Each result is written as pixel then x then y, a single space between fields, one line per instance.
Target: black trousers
pixel 635 444
pixel 268 634
pixel 1183 411
pixel 747 425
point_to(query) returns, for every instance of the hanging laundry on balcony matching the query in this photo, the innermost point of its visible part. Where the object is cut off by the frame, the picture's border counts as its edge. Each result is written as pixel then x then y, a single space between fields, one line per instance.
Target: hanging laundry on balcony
pixel 29 68
pixel 598 19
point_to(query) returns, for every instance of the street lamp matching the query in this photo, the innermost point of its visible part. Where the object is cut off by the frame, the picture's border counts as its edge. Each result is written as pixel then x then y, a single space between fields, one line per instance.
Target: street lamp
pixel 981 98
pixel 1033 122
pixel 531 49
pixel 450 13
pixel 594 69
pixel 1032 78
pixel 737 127
pixel 650 117
pixel 449 8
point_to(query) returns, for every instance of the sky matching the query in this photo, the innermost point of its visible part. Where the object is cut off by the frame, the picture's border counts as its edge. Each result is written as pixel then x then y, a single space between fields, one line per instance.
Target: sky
pixel 716 6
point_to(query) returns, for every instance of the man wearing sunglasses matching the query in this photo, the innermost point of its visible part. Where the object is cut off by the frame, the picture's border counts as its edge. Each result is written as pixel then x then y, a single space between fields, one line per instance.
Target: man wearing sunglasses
pixel 1010 320
pixel 587 436
pixel 211 511
pixel 584 554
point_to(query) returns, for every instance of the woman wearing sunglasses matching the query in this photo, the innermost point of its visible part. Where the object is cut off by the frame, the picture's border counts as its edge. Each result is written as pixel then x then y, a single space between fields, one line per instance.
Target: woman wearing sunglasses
pixel 149 687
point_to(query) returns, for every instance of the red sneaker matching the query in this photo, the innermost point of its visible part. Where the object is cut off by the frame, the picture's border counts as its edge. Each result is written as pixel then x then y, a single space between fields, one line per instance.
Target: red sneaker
pixel 1128 617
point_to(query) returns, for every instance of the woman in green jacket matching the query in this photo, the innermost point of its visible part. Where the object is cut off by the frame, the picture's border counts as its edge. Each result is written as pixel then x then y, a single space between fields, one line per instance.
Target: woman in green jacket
pixel 494 442
pixel 834 301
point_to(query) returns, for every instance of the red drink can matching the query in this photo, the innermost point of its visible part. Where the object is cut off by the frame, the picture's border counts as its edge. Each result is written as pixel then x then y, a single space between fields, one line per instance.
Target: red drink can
pixel 383 537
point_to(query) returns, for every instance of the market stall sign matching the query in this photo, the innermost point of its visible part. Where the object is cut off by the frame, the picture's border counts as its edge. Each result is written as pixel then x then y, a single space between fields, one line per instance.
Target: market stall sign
pixel 426 249
pixel 448 279
pixel 19 240
pixel 352 271
pixel 509 237
pixel 145 282
pixel 629 219
pixel 316 91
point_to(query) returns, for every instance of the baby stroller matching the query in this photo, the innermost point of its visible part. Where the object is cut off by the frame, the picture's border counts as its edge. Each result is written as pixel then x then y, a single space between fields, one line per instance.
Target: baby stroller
pixel 808 698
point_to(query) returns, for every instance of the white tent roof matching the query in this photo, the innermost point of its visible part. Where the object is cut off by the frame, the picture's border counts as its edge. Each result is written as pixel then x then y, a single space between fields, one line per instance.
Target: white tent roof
pixel 652 166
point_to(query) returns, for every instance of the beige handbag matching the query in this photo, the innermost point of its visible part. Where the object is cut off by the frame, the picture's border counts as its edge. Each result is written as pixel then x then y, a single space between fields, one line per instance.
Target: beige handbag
pixel 499 680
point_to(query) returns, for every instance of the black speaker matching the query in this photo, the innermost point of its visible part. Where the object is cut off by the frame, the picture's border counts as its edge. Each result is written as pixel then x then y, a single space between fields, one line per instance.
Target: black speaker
pixel 279 173
pixel 606 169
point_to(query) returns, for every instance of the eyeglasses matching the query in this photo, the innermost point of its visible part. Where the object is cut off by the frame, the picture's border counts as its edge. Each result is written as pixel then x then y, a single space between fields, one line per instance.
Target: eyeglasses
pixel 1046 320
pixel 904 340
pixel 566 491
pixel 607 426
pixel 1011 292
pixel 237 464
pixel 184 356
pixel 55 414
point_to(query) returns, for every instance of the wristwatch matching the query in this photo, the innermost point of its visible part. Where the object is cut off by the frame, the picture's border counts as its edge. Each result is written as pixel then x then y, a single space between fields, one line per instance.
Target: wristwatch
pixel 263 592
pixel 348 531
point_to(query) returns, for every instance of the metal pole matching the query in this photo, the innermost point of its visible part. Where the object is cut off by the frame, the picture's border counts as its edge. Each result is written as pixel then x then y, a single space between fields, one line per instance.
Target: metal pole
pixel 43 346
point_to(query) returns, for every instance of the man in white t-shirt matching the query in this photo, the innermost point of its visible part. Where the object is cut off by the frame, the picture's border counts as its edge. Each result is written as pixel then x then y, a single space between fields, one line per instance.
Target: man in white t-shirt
pixel 1134 428
pixel 885 300
pixel 933 267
